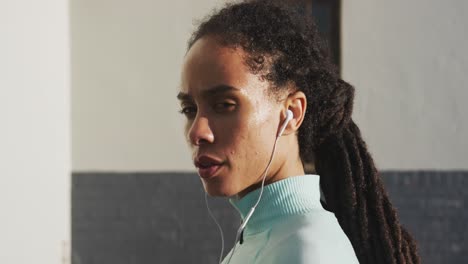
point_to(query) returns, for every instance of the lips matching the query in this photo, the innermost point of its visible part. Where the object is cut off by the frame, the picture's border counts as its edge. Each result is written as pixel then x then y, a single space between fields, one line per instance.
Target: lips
pixel 208 166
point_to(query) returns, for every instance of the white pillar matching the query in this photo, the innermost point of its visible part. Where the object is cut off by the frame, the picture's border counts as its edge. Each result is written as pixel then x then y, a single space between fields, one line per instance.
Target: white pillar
pixel 35 160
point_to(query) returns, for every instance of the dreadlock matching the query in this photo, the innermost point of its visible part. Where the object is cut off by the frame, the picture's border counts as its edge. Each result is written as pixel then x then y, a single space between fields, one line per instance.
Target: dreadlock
pixel 284 47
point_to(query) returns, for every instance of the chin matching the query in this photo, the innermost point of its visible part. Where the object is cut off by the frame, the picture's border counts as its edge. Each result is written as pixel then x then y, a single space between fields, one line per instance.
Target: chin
pixel 216 190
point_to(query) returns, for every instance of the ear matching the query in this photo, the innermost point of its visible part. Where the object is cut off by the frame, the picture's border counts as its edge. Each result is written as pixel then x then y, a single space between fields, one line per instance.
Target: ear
pixel 297 103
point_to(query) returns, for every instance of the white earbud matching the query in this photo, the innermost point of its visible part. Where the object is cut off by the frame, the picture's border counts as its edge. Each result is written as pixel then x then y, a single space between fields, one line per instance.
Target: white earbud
pixel 289 116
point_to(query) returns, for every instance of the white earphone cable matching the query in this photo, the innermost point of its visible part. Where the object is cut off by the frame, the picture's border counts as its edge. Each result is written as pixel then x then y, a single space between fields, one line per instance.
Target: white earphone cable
pixel 219 227
pixel 239 231
pixel 244 223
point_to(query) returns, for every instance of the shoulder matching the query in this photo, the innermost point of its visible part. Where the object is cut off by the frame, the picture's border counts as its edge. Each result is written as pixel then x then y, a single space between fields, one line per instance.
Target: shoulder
pixel 315 237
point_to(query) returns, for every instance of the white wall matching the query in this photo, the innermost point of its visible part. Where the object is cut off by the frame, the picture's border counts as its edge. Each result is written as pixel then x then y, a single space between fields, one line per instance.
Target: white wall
pixel 34 132
pixel 408 62
pixel 126 60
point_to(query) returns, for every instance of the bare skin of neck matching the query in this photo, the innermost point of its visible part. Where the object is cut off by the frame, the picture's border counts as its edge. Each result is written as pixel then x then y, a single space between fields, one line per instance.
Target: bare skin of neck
pixel 289 166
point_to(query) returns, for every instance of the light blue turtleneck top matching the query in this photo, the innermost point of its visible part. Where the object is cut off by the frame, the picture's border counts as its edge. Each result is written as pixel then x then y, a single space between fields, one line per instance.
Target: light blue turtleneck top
pixel 290 226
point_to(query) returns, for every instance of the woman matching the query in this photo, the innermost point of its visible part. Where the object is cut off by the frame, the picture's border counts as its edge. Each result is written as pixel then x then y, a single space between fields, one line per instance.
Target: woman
pixel 246 66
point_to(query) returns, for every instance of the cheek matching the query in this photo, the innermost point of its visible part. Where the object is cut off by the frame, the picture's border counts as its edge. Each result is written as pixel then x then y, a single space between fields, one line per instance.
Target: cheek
pixel 262 116
pixel 233 138
pixel 231 131
pixel 262 122
pixel 187 127
pixel 251 141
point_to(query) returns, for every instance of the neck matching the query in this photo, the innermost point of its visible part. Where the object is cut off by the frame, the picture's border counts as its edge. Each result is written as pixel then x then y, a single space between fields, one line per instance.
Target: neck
pixel 290 165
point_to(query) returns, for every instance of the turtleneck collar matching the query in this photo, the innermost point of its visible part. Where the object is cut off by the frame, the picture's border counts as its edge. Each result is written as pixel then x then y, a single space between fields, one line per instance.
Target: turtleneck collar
pixel 291 196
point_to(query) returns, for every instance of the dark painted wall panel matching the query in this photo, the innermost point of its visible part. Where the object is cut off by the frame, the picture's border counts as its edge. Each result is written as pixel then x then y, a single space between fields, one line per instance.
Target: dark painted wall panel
pixel 433 206
pixel 146 218
pixel 125 218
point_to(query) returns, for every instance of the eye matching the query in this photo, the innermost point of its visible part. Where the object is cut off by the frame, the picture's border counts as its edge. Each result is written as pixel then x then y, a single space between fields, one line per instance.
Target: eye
pixel 188 111
pixel 226 106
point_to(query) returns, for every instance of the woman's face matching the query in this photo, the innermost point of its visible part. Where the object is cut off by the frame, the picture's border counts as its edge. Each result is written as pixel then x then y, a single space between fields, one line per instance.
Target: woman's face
pixel 231 118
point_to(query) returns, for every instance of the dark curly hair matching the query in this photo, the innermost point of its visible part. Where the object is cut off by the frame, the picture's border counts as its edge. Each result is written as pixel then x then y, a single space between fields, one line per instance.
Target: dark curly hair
pixel 284 47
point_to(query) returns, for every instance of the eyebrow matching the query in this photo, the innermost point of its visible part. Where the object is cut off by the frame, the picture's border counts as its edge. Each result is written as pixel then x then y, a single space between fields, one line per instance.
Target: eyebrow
pixel 218 89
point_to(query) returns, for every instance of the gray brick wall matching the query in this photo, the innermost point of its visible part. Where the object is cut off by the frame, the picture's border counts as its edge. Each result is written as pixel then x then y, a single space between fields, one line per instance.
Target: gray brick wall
pixel 145 218
pixel 130 218
pixel 433 206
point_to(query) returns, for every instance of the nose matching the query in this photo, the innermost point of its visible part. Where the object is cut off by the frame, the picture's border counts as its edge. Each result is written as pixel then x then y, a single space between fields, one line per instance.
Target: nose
pixel 200 132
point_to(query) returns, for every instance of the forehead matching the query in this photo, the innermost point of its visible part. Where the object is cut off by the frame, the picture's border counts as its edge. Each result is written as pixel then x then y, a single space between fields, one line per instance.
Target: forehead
pixel 209 64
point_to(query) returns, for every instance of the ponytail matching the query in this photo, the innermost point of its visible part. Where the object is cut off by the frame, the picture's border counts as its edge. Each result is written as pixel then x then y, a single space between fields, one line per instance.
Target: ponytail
pixel 354 191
